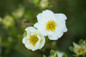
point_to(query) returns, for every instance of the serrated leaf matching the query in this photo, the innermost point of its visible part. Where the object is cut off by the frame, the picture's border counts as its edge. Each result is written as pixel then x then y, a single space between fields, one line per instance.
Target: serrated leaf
pixel 65 55
pixel 80 42
pixel 44 56
pixel 71 48
pixel 52 52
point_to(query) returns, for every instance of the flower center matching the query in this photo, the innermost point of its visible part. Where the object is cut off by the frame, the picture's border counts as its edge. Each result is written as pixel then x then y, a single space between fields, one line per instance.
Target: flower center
pixel 80 50
pixel 51 25
pixel 33 39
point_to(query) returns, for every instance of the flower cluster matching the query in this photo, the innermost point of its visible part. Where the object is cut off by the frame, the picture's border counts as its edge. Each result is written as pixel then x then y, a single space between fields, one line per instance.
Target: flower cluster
pixel 49 24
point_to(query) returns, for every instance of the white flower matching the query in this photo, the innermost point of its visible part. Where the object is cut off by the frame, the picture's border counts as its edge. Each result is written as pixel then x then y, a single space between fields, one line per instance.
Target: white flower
pixel 51 24
pixel 34 39
pixel 60 54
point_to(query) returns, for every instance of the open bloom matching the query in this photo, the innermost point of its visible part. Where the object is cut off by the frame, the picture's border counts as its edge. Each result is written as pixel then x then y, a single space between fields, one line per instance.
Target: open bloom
pixel 51 24
pixel 34 39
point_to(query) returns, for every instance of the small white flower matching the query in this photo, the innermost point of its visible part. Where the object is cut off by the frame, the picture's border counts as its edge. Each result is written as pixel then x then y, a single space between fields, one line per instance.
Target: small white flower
pixel 34 39
pixel 60 54
pixel 51 24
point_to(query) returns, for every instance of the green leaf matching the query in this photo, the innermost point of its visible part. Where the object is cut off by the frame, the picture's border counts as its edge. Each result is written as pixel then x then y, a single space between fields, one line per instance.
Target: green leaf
pixel 56 55
pixel 65 55
pixel 52 52
pixel 71 48
pixel 44 56
pixel 80 42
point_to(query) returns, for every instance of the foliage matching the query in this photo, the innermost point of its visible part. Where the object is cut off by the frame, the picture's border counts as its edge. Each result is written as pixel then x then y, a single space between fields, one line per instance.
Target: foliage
pixel 16 15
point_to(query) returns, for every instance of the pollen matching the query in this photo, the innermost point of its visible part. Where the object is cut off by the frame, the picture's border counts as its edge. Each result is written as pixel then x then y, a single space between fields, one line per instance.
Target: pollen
pixel 51 25
pixel 33 39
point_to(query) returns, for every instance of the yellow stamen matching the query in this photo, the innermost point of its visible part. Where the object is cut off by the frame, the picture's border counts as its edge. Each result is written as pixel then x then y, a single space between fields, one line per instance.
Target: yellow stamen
pixel 51 25
pixel 33 39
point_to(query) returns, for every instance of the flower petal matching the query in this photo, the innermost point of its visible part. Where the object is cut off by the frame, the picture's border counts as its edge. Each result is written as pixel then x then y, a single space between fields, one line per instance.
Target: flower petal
pixel 45 16
pixel 41 28
pixel 24 40
pixel 60 17
pixel 55 36
pixel 30 28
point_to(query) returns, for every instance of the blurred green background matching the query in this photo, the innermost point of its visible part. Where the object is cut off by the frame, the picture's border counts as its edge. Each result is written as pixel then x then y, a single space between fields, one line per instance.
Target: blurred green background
pixel 16 15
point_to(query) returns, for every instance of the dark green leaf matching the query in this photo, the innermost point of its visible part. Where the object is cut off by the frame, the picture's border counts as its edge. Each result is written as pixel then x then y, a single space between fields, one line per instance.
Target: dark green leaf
pixel 71 48
pixel 56 55
pixel 81 41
